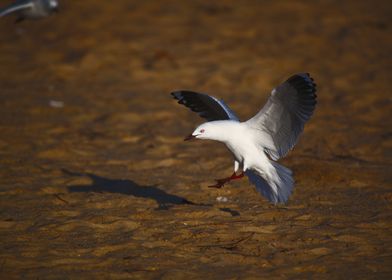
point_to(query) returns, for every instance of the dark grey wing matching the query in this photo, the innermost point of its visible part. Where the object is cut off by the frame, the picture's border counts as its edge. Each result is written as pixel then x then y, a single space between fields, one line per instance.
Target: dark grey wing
pixel 283 117
pixel 18 6
pixel 206 106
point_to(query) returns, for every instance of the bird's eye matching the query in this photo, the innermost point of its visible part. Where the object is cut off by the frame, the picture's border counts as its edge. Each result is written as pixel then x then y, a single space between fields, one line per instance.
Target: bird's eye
pixel 202 131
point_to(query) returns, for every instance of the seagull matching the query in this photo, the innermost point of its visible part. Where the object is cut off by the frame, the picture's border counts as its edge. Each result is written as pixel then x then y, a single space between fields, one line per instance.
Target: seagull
pixel 30 9
pixel 259 142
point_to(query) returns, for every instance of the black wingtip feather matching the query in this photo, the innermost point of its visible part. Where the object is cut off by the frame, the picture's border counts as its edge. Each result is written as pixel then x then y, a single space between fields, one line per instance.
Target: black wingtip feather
pixel 303 83
pixel 306 89
pixel 206 106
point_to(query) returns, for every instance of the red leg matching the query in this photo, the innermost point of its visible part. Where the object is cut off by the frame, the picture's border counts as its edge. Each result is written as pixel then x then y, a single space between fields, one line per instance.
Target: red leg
pixel 221 182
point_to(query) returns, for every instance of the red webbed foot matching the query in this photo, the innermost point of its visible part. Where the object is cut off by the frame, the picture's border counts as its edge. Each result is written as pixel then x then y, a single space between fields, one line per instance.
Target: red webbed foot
pixel 221 182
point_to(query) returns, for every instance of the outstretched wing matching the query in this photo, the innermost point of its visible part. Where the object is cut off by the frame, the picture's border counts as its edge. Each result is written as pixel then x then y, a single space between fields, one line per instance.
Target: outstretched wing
pixel 283 117
pixel 206 106
pixel 15 7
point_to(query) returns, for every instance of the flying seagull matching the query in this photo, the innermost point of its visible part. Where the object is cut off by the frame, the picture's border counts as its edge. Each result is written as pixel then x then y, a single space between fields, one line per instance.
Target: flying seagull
pixel 30 9
pixel 260 141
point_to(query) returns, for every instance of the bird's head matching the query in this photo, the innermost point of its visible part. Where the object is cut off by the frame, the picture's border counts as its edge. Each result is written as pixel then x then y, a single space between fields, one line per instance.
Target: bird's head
pixel 203 131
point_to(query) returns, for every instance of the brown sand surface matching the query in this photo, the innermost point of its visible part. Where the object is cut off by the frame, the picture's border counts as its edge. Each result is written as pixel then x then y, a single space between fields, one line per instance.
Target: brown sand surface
pixel 104 186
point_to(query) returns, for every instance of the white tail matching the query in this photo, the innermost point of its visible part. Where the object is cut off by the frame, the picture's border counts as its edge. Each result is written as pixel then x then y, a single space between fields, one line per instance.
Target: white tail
pixel 276 189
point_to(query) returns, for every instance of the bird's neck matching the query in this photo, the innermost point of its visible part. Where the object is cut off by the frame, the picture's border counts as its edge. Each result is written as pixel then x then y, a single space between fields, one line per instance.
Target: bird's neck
pixel 224 131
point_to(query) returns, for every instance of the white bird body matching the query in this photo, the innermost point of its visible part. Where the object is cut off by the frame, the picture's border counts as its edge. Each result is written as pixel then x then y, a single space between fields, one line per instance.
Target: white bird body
pixel 257 143
pixel 239 139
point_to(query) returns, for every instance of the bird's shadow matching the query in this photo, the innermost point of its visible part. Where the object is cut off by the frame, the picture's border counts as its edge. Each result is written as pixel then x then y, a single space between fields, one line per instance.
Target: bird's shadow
pixel 128 187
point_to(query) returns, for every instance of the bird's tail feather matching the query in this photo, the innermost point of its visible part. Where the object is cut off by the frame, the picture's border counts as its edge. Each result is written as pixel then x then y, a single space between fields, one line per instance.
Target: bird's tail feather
pixel 286 182
pixel 276 190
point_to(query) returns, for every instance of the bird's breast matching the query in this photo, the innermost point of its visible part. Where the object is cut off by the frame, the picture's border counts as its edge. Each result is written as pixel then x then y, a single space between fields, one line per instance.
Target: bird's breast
pixel 242 149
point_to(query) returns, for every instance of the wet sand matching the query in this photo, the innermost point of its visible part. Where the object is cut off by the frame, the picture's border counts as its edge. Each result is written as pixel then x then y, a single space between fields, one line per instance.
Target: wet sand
pixel 96 182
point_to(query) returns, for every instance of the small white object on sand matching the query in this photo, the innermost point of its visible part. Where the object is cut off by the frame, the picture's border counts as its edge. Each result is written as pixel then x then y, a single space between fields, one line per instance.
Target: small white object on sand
pixel 56 104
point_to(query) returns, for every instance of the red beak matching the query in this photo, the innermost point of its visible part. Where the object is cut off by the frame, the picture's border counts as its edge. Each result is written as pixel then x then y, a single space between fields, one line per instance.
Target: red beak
pixel 189 137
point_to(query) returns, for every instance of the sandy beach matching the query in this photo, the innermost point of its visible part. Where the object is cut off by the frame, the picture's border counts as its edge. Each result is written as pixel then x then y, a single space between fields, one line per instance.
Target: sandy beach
pixel 96 181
